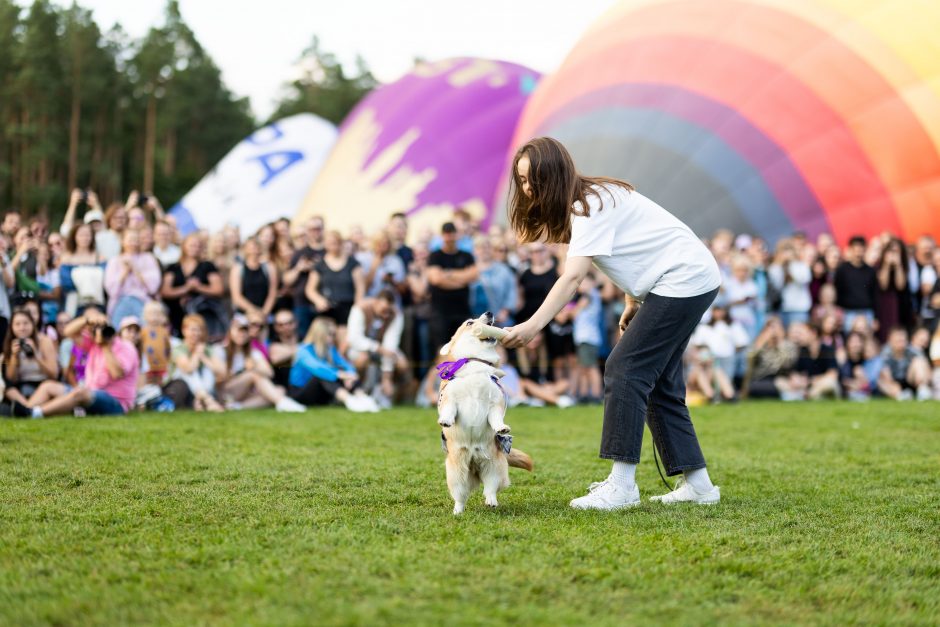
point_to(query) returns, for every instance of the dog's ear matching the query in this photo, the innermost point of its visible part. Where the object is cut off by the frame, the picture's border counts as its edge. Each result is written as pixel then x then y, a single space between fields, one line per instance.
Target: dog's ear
pixel 445 349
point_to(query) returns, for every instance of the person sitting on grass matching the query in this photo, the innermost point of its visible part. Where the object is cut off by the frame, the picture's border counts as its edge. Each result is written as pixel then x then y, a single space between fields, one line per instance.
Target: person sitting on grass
pixel 706 379
pixel 193 363
pixel 816 372
pixel 283 346
pixel 31 358
pixel 905 369
pixel 110 374
pixel 374 334
pixel 246 383
pixel 320 375
pixel 855 372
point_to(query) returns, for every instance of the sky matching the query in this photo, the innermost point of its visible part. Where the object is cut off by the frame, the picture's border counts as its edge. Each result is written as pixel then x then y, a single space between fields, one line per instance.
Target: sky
pixel 258 43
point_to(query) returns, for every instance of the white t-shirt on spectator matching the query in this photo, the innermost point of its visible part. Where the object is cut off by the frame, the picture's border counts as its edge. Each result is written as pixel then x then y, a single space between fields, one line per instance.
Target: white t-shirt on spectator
pixel 794 295
pixel 721 338
pixel 642 247
pixel 107 244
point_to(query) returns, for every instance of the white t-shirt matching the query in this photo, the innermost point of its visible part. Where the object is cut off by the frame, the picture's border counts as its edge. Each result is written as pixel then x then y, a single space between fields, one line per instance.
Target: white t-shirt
pixel 642 247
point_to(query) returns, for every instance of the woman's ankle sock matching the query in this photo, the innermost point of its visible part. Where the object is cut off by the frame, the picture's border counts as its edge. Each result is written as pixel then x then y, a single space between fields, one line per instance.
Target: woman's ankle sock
pixel 699 479
pixel 623 475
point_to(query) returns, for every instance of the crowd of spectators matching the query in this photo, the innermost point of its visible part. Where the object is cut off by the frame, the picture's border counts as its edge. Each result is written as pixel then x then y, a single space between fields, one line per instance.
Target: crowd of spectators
pixel 117 310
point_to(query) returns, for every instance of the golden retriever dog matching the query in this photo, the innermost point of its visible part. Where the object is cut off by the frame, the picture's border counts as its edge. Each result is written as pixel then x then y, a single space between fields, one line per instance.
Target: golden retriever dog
pixel 471 408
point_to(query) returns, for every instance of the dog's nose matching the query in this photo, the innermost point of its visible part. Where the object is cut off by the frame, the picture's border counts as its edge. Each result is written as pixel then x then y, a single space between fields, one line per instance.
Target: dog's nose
pixel 488 316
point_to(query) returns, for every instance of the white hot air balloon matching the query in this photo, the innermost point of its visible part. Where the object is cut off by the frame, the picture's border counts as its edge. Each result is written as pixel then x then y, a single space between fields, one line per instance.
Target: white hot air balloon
pixel 263 178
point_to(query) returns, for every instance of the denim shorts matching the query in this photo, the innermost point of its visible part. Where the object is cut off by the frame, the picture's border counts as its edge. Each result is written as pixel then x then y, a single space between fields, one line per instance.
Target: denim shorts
pixel 103 404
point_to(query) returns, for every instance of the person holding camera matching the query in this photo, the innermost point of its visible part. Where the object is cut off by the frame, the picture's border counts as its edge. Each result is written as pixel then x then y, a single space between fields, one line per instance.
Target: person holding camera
pixel 31 358
pixel 374 335
pixel 110 373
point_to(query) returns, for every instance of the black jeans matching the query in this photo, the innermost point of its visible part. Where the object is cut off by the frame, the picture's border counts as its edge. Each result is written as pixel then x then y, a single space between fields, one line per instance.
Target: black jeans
pixel 644 382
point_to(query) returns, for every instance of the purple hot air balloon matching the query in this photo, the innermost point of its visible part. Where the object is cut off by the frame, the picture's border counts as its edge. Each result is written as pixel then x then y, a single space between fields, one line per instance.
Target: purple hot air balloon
pixel 430 142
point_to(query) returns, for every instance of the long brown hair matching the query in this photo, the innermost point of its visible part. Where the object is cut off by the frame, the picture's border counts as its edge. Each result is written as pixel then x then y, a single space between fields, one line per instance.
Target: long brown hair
pixel 556 186
pixel 8 340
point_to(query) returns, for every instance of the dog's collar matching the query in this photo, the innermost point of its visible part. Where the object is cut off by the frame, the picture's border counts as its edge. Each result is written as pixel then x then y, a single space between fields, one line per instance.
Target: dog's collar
pixel 448 370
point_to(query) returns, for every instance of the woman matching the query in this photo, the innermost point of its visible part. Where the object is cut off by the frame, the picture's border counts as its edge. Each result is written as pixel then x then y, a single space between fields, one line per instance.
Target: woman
pixel 193 285
pixel 131 280
pixel 654 258
pixel 790 277
pixel 495 290
pixel 320 375
pixel 383 268
pixel 253 282
pixel 31 358
pixel 336 282
pixel 246 382
pixel 193 363
pixel 893 303
pixel 108 241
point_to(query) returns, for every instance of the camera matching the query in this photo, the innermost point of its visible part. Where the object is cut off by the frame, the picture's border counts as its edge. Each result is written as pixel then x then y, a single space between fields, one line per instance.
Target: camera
pixel 107 332
pixel 142 199
pixel 27 349
pixel 84 197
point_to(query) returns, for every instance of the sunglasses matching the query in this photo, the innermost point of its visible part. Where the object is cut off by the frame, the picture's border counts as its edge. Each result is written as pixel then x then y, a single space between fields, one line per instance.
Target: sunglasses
pixel 242 329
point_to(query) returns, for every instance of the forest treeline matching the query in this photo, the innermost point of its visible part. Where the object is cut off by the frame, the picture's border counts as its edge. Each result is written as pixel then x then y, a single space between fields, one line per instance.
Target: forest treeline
pixel 88 108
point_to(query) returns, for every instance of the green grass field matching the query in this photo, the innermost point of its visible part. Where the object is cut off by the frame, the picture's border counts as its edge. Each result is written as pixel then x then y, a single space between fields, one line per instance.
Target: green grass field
pixel 829 514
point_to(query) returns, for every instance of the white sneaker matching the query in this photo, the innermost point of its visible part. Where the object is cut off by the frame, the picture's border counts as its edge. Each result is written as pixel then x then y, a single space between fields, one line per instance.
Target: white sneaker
pixel 381 400
pixel 354 403
pixel 287 404
pixel 685 493
pixel 905 395
pixel 924 393
pixel 606 495
pixel 564 402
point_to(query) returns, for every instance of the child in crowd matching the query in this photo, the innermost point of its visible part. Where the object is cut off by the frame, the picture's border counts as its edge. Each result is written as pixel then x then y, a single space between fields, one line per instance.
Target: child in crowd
pixel 587 338
pixel 155 345
pixel 905 370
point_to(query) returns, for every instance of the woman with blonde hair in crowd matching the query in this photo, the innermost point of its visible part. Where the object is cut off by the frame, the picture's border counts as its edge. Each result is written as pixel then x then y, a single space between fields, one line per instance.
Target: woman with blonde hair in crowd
pixel 383 268
pixel 247 379
pixel 321 375
pixel 131 279
pixel 193 363
pixel 253 282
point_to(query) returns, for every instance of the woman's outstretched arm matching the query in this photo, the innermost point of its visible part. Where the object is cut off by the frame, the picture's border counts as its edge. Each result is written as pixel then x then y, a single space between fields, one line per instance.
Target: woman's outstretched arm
pixel 576 268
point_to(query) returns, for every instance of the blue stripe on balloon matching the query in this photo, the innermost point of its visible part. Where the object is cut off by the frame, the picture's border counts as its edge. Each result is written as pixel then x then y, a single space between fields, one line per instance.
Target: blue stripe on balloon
pixel 767 159
pixel 184 219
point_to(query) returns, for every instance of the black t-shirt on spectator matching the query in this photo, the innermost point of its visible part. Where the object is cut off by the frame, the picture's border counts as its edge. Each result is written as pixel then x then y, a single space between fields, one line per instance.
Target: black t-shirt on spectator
pixel 855 286
pixel 337 286
pixel 313 254
pixel 175 305
pixel 451 303
pixel 535 287
pixel 823 362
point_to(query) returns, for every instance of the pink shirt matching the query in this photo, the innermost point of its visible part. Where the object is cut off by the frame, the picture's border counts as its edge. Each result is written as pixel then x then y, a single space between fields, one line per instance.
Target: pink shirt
pixel 97 377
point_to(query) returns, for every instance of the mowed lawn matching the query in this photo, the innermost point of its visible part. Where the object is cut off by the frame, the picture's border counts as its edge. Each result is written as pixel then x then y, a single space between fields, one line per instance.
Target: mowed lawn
pixel 829 514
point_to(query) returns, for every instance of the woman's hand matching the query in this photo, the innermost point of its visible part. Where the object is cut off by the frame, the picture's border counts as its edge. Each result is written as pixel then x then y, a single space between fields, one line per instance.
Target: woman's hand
pixel 629 312
pixel 520 335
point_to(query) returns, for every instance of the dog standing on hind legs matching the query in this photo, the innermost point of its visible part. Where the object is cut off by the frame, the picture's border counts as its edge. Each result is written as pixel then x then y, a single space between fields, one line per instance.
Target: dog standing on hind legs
pixel 471 409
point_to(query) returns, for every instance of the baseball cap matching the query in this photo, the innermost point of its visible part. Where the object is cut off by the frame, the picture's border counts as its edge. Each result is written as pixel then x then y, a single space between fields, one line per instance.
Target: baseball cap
pixel 448 228
pixel 94 214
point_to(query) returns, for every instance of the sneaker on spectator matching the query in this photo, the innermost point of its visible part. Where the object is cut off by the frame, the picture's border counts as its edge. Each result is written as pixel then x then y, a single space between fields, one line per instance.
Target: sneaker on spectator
pixel 858 397
pixel 924 393
pixel 536 402
pixel 564 402
pixel 792 396
pixel 79 412
pixel 287 404
pixel 905 395
pixel 381 400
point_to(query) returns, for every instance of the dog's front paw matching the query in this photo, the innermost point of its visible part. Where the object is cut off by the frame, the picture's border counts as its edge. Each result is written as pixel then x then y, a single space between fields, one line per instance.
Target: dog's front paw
pixel 445 422
pixel 503 430
pixel 491 501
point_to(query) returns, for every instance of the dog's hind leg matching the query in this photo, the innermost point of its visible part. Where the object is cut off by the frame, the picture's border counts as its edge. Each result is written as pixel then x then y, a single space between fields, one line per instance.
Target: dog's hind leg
pixel 458 482
pixel 495 477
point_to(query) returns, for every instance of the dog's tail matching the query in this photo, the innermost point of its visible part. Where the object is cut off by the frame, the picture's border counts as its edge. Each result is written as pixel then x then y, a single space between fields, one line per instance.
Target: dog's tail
pixel 518 459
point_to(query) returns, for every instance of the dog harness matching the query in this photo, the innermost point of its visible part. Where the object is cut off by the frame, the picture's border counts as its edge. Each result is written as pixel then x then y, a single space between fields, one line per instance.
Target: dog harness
pixel 447 370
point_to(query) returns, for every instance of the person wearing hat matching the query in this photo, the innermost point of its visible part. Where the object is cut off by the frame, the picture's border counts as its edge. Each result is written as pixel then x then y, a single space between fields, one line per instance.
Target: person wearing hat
pixel 450 273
